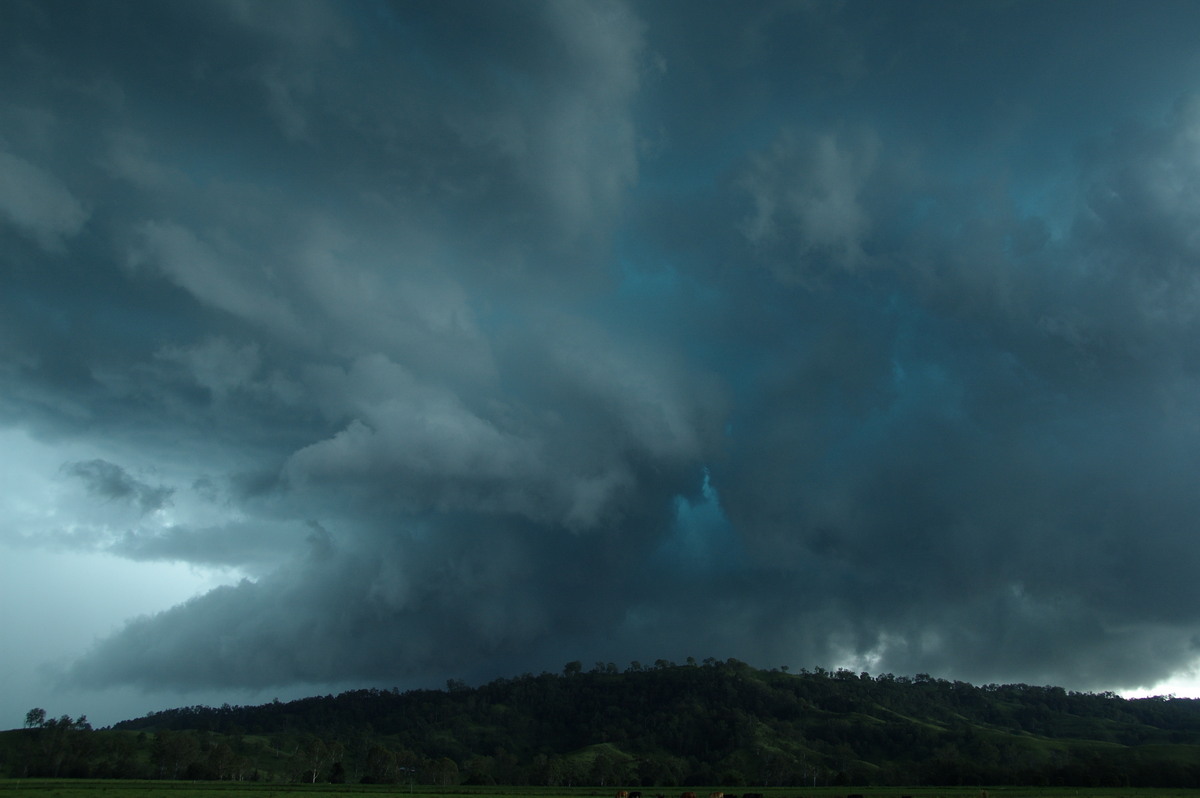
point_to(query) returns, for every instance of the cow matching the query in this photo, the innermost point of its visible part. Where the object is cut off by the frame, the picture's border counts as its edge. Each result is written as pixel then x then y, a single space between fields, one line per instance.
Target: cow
pixel 688 795
pixel 622 794
pixel 716 795
pixel 635 794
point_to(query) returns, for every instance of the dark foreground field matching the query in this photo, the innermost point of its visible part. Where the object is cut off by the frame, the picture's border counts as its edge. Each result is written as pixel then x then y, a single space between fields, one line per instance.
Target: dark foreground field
pixel 74 788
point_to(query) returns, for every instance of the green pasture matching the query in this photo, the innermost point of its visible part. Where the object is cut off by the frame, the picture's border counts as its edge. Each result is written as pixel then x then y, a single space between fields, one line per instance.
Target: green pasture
pixel 64 788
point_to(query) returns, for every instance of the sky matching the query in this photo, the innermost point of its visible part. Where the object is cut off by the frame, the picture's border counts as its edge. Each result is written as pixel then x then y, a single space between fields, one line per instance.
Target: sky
pixel 353 344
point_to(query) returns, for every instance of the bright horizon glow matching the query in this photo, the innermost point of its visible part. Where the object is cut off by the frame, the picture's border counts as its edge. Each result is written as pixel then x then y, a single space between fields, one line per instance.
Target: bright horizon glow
pixel 114 590
pixel 1184 684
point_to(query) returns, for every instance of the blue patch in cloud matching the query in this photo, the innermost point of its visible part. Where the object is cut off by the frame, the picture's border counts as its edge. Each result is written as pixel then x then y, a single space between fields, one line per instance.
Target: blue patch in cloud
pixel 702 539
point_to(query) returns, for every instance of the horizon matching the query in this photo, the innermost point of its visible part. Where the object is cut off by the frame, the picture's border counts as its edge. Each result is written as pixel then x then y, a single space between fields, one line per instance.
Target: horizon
pixel 354 344
pixel 1131 695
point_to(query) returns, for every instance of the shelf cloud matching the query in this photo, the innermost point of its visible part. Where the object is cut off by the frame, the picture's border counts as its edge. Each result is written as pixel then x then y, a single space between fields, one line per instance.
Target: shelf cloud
pixel 467 339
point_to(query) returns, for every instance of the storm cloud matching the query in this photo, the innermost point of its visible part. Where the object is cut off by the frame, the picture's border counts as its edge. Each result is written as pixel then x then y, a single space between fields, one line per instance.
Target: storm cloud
pixel 474 338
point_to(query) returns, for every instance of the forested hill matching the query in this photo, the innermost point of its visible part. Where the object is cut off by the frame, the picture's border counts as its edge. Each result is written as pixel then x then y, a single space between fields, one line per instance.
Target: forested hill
pixel 728 723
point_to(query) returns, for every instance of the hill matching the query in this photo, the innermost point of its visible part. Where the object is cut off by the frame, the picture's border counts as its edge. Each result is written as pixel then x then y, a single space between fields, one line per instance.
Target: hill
pixel 712 723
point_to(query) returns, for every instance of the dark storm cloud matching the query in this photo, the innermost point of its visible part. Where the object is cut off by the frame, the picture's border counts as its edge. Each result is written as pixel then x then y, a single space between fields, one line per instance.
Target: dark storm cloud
pixel 982 442
pixel 487 337
pixel 252 546
pixel 110 481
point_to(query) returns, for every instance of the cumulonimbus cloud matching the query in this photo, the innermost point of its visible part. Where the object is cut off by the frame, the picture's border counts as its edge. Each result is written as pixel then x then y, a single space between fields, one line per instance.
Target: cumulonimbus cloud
pixel 594 330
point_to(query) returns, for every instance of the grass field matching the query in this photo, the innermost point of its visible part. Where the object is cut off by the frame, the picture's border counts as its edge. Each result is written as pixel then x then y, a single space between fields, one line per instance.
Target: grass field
pixel 65 788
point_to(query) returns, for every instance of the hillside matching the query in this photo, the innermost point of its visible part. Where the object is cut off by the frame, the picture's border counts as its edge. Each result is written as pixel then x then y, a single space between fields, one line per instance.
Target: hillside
pixel 719 723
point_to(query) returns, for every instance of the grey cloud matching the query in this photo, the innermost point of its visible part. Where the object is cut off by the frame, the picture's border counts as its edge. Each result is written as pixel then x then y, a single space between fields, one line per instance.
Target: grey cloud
pixel 412 273
pixel 37 203
pixel 221 277
pixel 412 606
pixel 252 546
pixel 305 25
pixel 567 452
pixel 808 216
pixel 218 365
pixel 977 457
pixel 110 481
pixel 1137 223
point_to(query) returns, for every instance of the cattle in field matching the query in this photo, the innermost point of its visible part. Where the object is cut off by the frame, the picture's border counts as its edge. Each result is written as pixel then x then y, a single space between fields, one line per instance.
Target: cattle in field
pixel 635 794
pixel 716 795
pixel 622 794
pixel 688 795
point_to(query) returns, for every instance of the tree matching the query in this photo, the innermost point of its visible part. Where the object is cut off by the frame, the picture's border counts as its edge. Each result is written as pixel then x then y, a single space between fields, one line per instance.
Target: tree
pixel 381 765
pixel 445 771
pixel 173 752
pixel 221 761
pixel 314 755
pixel 35 718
